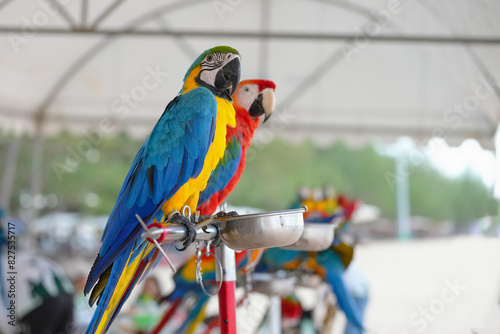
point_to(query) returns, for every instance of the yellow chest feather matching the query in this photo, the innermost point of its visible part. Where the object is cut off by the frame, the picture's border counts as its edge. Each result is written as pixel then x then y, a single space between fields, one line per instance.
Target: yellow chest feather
pixel 189 193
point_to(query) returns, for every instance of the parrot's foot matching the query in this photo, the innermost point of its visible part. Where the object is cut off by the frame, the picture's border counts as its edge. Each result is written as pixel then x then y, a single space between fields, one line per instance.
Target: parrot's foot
pixel 217 240
pixel 222 214
pixel 203 218
pixel 177 218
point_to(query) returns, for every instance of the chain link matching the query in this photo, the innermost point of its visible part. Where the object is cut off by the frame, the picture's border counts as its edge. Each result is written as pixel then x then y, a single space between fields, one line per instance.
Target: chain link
pixel 199 273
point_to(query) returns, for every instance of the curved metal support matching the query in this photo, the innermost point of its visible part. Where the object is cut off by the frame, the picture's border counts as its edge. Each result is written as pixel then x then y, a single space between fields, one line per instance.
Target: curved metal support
pixel 288 100
pixel 189 51
pixel 9 172
pixel 265 19
pixel 319 72
pixel 4 3
pixel 105 14
pixel 110 36
pixel 64 13
pixel 481 66
pixel 94 50
pixel 40 113
pixel 83 14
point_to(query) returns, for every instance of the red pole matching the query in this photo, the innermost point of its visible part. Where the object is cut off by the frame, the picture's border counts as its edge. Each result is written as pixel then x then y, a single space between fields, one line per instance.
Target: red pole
pixel 227 308
pixel 227 300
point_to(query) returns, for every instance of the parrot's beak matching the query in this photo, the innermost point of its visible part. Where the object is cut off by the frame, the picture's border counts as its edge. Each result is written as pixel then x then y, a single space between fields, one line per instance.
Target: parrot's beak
pixel 228 78
pixel 263 104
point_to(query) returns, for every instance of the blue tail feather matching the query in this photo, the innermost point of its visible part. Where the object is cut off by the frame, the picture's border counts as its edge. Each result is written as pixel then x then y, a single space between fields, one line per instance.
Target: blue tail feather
pixel 334 271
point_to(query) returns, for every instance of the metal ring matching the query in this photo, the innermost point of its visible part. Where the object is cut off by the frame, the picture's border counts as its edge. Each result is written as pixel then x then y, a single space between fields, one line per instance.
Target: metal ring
pixel 162 236
pixel 171 214
pixel 186 211
pixel 221 275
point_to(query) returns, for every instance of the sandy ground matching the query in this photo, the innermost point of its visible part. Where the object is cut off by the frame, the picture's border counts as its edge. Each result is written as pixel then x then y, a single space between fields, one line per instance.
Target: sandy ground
pixel 434 286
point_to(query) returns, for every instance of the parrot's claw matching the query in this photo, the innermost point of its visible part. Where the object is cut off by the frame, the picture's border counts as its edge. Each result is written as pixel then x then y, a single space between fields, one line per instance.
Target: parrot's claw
pixel 217 240
pixel 222 214
pixel 203 218
pixel 190 226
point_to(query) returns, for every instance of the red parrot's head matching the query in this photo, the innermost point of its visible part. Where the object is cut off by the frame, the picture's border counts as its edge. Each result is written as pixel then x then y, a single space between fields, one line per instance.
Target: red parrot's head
pixel 256 97
pixel 348 206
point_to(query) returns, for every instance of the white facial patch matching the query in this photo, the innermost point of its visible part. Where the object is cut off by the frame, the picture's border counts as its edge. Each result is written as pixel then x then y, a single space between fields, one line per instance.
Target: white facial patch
pixel 212 64
pixel 247 94
pixel 208 76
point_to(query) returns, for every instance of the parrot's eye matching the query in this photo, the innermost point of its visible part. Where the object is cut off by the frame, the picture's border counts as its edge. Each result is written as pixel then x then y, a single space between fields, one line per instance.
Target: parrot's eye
pixel 246 89
pixel 210 58
pixel 228 56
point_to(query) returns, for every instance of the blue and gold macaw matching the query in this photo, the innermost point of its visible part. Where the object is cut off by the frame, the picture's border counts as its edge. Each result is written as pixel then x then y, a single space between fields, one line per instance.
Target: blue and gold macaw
pixel 170 170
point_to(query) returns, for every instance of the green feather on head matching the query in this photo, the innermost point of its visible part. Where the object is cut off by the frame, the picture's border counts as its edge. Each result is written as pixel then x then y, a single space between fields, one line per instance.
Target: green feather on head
pixel 221 49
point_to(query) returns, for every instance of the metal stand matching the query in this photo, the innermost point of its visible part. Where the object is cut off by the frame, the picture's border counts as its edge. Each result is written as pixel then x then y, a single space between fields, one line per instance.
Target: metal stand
pixel 274 318
pixel 403 198
pixel 227 299
pixel 280 227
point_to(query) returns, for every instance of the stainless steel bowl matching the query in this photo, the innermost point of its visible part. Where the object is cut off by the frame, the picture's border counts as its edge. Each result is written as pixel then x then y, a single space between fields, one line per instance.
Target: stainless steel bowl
pixel 316 237
pixel 262 230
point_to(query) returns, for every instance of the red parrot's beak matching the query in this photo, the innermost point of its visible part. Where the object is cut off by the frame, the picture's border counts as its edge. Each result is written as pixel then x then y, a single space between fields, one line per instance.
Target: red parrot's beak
pixel 268 102
pixel 263 104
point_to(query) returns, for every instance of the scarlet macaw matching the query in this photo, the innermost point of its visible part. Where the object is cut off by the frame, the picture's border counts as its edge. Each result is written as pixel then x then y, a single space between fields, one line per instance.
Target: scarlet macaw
pixel 170 170
pixel 252 99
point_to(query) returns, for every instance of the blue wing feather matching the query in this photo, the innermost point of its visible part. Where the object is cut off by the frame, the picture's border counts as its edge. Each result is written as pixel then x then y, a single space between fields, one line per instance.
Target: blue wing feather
pixel 168 151
pixel 187 168
pixel 334 267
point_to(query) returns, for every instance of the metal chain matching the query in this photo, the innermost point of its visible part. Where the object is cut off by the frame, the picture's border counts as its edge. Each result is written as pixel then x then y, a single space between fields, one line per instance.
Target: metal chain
pixel 199 273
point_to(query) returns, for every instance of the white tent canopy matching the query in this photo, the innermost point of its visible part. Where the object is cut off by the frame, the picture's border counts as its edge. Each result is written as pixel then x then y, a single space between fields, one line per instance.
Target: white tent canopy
pixel 344 69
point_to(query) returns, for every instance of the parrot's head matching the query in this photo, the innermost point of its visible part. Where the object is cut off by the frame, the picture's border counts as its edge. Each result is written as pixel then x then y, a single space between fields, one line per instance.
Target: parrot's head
pixel 328 192
pixel 304 193
pixel 217 69
pixel 257 97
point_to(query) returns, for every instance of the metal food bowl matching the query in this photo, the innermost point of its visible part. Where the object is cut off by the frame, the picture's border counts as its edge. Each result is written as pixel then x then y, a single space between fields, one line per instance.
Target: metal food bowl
pixel 262 230
pixel 316 237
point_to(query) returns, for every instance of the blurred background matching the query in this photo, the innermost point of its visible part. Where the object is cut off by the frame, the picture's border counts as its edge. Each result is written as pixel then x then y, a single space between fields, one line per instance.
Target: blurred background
pixel 395 103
